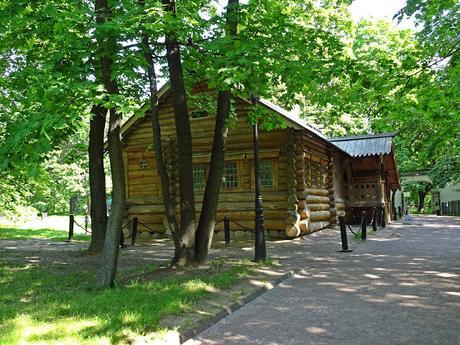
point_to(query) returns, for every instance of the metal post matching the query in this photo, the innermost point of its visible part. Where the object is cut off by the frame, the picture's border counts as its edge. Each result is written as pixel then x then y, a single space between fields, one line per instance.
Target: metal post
pixel 260 249
pixel 72 209
pixel 71 225
pixel 364 225
pixel 383 220
pixel 133 231
pixel 122 239
pixel 86 223
pixel 227 229
pixel 374 219
pixel 343 235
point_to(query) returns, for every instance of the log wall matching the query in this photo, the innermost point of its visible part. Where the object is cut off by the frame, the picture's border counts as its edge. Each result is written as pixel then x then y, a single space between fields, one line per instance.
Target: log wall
pixel 143 191
pixel 296 204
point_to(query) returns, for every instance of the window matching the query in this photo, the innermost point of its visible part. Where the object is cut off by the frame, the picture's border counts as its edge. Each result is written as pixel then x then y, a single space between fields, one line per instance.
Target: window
pixel 266 173
pixel 196 114
pixel 230 178
pixel 316 174
pixel 199 180
pixel 314 171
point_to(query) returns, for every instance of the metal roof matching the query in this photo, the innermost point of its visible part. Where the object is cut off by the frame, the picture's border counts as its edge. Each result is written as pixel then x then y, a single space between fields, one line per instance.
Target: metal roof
pixel 366 145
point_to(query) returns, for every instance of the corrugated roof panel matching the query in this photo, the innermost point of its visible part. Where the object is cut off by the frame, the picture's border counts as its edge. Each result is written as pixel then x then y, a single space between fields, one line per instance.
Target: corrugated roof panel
pixel 361 146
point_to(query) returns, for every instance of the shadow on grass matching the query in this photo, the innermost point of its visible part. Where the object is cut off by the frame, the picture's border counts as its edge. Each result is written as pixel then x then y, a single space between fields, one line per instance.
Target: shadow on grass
pixel 37 305
pixel 48 234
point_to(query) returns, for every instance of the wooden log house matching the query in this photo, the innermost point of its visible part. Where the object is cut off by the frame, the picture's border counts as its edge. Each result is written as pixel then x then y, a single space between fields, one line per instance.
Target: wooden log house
pixel 302 182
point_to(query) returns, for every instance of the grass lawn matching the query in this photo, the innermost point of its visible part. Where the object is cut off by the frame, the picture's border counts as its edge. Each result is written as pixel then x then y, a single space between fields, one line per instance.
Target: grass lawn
pixel 57 305
pixel 53 228
pixel 17 233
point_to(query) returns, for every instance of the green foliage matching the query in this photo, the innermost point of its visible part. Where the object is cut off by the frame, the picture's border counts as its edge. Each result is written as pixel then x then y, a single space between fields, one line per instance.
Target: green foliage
pixel 350 78
pixel 57 305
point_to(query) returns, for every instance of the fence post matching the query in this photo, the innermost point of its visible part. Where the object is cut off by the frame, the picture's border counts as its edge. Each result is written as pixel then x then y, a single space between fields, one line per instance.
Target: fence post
pixel 343 235
pixel 71 225
pixel 374 219
pixel 86 223
pixel 383 221
pixel 227 229
pixel 134 231
pixel 364 225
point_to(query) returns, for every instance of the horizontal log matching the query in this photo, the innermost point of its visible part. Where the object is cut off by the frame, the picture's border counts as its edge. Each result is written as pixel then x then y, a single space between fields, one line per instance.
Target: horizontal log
pixel 319 215
pixel 317 191
pixel 318 207
pixel 249 215
pixel 137 192
pixel 315 226
pixel 248 206
pixel 142 209
pixel 269 225
pixel 144 200
pixel 315 199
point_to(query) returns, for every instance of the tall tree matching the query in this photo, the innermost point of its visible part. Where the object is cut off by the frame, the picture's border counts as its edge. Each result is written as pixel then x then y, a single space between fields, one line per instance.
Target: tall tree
pixel 156 132
pixel 108 46
pixel 207 220
pixel 184 252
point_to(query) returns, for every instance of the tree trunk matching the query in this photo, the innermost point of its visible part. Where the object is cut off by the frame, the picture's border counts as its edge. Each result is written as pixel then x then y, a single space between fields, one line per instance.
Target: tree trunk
pixel 161 168
pixel 421 197
pixel 98 207
pixel 185 245
pixel 108 270
pixel 207 221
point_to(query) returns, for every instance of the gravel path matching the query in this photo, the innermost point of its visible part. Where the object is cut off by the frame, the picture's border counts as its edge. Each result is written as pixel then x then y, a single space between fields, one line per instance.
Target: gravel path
pixel 401 286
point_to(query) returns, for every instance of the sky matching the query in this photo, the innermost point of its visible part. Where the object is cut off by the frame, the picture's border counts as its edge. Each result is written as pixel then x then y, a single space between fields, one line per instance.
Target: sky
pixel 379 9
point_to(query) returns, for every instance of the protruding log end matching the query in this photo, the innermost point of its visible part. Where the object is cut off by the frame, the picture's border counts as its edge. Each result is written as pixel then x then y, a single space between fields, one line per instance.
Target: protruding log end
pixel 292 230
pixel 292 220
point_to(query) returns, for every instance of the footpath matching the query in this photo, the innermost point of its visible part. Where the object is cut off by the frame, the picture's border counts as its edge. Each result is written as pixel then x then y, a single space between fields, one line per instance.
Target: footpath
pixel 401 286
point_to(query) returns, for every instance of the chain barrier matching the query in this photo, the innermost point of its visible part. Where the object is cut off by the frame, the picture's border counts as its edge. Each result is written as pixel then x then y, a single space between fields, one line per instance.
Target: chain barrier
pixel 153 230
pixel 351 229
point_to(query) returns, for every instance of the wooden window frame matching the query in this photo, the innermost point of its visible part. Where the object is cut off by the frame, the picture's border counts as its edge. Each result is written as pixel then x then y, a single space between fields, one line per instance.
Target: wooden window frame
pixel 205 174
pixel 238 169
pixel 275 163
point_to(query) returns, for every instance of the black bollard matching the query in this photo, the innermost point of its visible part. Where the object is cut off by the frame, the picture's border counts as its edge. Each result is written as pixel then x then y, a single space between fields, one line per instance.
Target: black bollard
pixel 374 219
pixel 122 239
pixel 383 222
pixel 71 224
pixel 134 231
pixel 343 235
pixel 227 229
pixel 364 225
